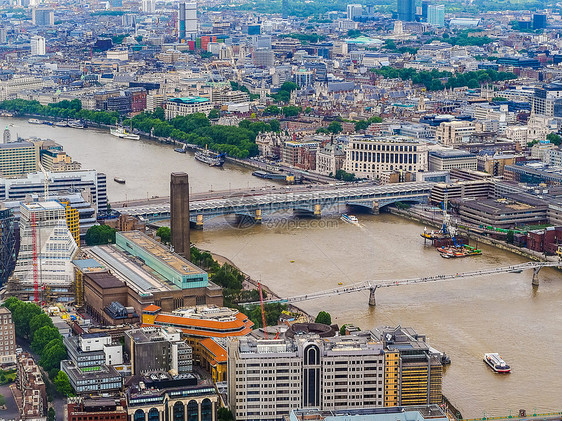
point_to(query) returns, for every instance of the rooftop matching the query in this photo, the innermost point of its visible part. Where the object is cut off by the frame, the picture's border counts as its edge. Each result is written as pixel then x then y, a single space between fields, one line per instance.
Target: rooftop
pixel 158 250
pixel 189 100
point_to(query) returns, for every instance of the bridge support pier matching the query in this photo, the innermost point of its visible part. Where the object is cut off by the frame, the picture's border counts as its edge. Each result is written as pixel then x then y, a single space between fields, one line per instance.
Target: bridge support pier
pixel 372 300
pixel 535 281
pixel 257 217
pixel 376 208
pixel 199 222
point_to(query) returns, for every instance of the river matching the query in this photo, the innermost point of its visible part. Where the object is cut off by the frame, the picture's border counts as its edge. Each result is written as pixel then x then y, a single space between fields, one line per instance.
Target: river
pixel 144 164
pixel 464 318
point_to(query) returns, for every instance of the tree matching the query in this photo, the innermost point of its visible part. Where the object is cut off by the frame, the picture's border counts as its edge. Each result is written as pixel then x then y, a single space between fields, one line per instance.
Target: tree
pixel 342 330
pixel 510 237
pixel 165 234
pixel 53 353
pixel 344 175
pixel 361 125
pixel 554 138
pixel 214 114
pixel 42 337
pixel 224 414
pixel 335 127
pixel 51 414
pixel 324 318
pixel 38 322
pixel 2 401
pixel 272 110
pixel 291 111
pixel 275 125
pixel 63 385
pixel 100 234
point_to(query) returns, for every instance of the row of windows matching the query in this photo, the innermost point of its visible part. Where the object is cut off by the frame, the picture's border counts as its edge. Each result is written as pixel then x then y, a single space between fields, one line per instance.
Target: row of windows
pixel 385 158
pixel 379 147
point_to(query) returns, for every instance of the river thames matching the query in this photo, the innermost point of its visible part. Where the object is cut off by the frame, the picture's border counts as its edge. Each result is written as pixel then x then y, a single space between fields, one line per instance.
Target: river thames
pixel 464 318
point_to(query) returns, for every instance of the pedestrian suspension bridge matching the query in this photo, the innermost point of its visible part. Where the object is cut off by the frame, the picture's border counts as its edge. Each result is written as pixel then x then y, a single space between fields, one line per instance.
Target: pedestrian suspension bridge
pixel 372 286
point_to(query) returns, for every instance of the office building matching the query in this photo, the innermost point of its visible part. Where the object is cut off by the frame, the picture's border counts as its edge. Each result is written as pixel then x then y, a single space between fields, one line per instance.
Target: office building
pixel 7 338
pixel 188 105
pixel 370 157
pixel 43 227
pixel 164 397
pixel 539 21
pixel 9 243
pixel 515 210
pixel 93 350
pixel 37 46
pixel 90 182
pixel 90 365
pixel 436 15
pixel 263 57
pixel 148 6
pixel 32 397
pixel 18 159
pixel 187 21
pixel 424 6
pixel 92 380
pixel 179 214
pixel 451 133
pixel 42 16
pixel 354 11
pixel 310 368
pixel 158 349
pixel 446 159
pixel 406 10
pixel 101 409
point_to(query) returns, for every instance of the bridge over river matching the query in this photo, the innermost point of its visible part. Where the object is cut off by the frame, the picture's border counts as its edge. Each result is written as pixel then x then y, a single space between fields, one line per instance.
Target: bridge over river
pixel 373 285
pixel 305 202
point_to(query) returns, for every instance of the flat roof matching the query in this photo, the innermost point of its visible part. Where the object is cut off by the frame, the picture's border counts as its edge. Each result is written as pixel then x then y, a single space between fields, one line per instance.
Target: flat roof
pixel 189 100
pixel 15 145
pixel 158 250
pixel 452 153
pixel 106 280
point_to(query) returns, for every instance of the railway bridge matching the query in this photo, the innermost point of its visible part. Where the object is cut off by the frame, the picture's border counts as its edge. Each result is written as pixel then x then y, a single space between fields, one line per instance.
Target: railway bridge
pixel 256 204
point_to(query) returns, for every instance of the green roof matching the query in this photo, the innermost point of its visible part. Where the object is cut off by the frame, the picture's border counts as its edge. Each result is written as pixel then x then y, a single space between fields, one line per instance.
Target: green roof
pixel 190 99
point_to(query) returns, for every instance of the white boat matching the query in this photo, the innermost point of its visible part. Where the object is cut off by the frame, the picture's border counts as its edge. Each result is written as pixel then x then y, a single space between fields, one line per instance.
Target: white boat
pixel 496 362
pixel 76 124
pixel 123 134
pixel 119 180
pixel 34 121
pixel 351 219
pixel 61 124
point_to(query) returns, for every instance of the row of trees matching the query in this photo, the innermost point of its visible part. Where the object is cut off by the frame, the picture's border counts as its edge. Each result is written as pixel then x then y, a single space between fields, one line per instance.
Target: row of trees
pixel 36 327
pixel 64 110
pixel 432 80
pixel 196 129
pixel 288 111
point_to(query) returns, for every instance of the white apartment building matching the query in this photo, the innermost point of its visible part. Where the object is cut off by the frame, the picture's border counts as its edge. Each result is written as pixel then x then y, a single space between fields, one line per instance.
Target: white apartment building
pixel 7 337
pixel 454 132
pixel 185 106
pixel 371 157
pixel 329 159
pixel 37 46
pixel 269 378
pixel 9 88
pixel 54 245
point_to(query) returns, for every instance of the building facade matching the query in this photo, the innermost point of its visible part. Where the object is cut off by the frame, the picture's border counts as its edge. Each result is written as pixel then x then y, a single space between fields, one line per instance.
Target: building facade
pixel 371 157
pixel 185 106
pixel 9 244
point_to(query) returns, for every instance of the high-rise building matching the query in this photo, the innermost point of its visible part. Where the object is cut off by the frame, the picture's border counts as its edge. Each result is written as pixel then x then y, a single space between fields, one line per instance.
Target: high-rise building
pixel 436 15
pixel 3 35
pixel 179 214
pixel 539 21
pixel 9 244
pixel 354 11
pixel 54 246
pixel 148 6
pixel 7 337
pixel 424 5
pixel 18 158
pixel 187 21
pixel 406 10
pixel 91 183
pixel 43 17
pixel 309 369
pixel 37 45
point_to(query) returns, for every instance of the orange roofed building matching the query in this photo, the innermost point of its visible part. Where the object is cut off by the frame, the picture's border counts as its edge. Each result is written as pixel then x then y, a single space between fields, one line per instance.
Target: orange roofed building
pixel 204 327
